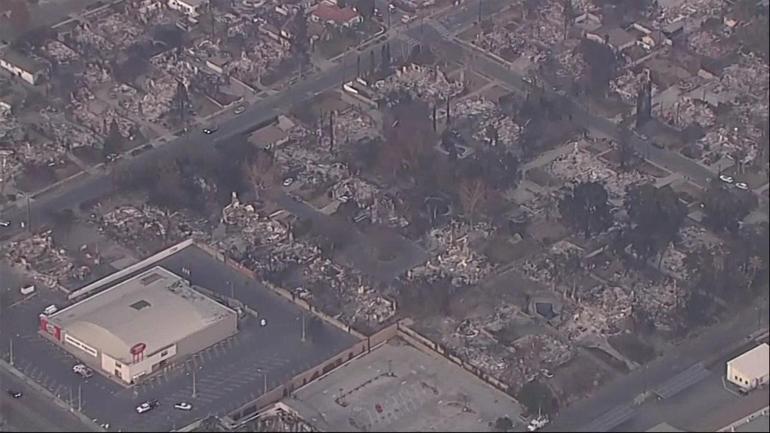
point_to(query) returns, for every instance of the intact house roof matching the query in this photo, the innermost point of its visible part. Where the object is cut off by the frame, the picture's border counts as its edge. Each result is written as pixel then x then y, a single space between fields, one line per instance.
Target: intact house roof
pixel 326 12
pixel 754 363
pixel 157 308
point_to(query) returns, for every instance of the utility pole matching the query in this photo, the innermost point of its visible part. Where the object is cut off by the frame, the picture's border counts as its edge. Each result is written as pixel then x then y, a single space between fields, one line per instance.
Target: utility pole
pixel 232 290
pixel 194 390
pixel 29 214
pixel 303 327
pixel 80 398
pixel 10 344
pixel 264 382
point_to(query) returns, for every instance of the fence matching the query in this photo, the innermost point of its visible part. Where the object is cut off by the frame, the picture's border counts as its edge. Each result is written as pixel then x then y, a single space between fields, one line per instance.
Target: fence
pixel 416 339
pixel 314 373
pixel 279 290
pixel 133 268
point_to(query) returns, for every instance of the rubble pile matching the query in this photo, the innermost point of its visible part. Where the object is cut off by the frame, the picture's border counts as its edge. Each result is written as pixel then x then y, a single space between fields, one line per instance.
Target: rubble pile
pixel 120 30
pixel 427 83
pixel 456 259
pixel 255 229
pixel 687 112
pixel 89 42
pixel 134 226
pixel 69 136
pixel 96 74
pixel 601 311
pixel 571 61
pixel 59 52
pixel 673 264
pixel 749 75
pixel 160 91
pixel 690 9
pixel 353 125
pixel 706 43
pixel 358 300
pixel 582 166
pixel 627 86
pixel 39 256
pixel 484 115
pixel 100 122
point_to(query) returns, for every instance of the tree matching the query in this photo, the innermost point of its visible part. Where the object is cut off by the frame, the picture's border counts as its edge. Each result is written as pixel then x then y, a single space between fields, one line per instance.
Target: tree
pixel 503 424
pixel 365 8
pixel 300 39
pixel 601 65
pixel 181 100
pixel 725 208
pixel 585 208
pixel 114 140
pixel 64 220
pixel 656 216
pixel 474 195
pixel 409 138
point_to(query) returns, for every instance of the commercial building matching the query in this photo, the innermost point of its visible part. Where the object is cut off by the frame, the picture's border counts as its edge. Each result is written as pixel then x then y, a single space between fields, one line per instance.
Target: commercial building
pixel 28 69
pixel 750 370
pixel 140 325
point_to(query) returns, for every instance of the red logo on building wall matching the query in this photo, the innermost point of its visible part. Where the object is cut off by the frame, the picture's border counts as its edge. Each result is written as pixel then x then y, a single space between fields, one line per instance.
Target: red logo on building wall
pixel 50 328
pixel 137 351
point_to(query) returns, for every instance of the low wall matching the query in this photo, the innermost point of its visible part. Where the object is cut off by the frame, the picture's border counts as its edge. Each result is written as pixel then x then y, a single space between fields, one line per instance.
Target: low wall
pixel 342 358
pixel 416 339
pixel 279 290
pixel 133 268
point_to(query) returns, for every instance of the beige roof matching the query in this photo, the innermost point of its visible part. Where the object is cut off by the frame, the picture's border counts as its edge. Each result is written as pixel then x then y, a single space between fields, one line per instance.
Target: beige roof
pixel 753 364
pixel 157 308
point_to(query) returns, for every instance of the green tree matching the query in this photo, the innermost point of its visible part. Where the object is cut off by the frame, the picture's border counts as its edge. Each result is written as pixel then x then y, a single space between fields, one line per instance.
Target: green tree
pixel 114 140
pixel 656 216
pixel 725 208
pixel 584 207
pixel 365 8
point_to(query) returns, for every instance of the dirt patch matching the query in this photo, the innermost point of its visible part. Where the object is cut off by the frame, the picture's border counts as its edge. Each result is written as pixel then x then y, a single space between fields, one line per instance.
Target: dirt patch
pixel 578 379
pixel 610 360
pixel 633 348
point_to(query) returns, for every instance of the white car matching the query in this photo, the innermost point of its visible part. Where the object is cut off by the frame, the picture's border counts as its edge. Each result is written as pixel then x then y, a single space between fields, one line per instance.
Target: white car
pixel 50 310
pixel 288 181
pixel 239 109
pixel 725 178
pixel 147 406
pixel 5 223
pixel 83 371
pixel 742 185
pixel 183 405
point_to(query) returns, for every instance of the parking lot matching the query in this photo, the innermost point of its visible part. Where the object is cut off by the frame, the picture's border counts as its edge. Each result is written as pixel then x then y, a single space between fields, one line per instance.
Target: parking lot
pixel 226 375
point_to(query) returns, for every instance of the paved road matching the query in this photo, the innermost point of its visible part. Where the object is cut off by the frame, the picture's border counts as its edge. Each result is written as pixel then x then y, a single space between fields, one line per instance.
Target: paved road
pixel 670 160
pixel 90 187
pixel 32 412
pixel 658 372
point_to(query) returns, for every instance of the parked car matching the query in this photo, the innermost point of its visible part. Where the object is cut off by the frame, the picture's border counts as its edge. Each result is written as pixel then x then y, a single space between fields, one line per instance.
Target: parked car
pixel 210 130
pixel 726 179
pixel 658 145
pixel 183 405
pixel 5 223
pixel 288 181
pixel 742 185
pixel 15 394
pixel 239 109
pixel 147 406
pixel 50 309
pixel 83 371
pixel 27 290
